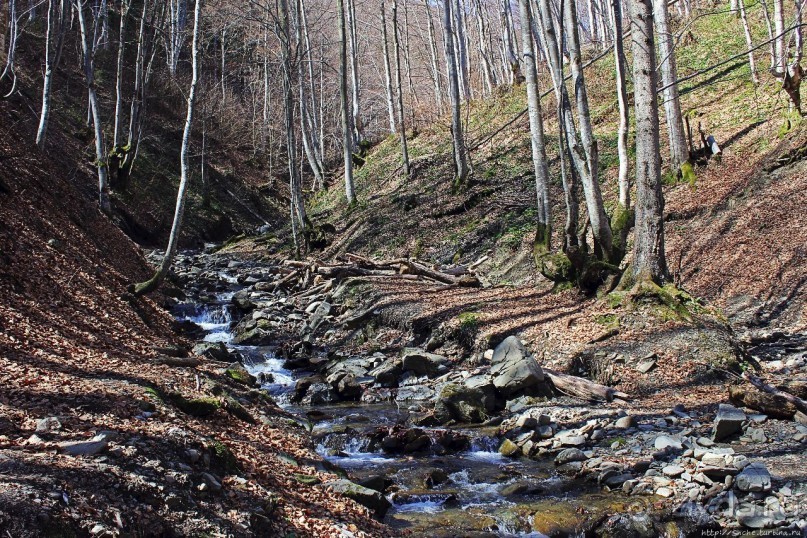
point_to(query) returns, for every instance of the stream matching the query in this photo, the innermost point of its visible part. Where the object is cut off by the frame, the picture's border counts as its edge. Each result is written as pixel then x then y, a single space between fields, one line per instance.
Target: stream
pixel 459 486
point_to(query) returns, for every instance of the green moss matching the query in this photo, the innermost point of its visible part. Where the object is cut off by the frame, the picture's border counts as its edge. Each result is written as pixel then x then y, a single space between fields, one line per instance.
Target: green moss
pixel 308 480
pixel 223 457
pixel 197 407
pixel 556 267
pixel 688 174
pixel 610 321
pixel 240 375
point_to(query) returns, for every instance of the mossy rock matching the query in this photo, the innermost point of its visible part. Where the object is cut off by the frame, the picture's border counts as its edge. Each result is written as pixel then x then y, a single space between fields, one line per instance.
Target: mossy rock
pixel 197 407
pixel 222 458
pixel 308 480
pixel 555 267
pixel 234 407
pixel 239 374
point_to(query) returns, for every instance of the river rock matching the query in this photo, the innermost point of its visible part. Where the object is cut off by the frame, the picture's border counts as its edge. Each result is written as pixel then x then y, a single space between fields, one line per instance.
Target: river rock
pixel 374 500
pixel 237 372
pixel 508 448
pixel 514 368
pixel 242 301
pixel 415 393
pixel 48 425
pixel 729 421
pixel 484 384
pixel 665 442
pixel 625 422
pixel 388 373
pixel 460 403
pixel 213 350
pixel 319 394
pixel 755 477
pixel 316 319
pixel 89 447
pixel 252 333
pixel 569 455
pixel 422 362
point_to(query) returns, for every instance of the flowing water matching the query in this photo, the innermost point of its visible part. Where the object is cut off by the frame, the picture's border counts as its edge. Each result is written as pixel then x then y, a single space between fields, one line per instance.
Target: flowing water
pixel 467 490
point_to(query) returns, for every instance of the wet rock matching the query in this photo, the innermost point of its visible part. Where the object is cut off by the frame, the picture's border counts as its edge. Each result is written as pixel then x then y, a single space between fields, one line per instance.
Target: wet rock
pixel 319 394
pixel 415 392
pixel 242 301
pixel 522 487
pixel 754 477
pixel 729 421
pixel 372 499
pixel 484 384
pixel 213 350
pixel 569 455
pixel 627 526
pixel 388 373
pixel 422 362
pixel 460 403
pixel 514 368
pixel 238 373
pixel 376 482
pixel 509 448
pixel 252 333
pixel 625 422
pixel 421 442
pixel 435 477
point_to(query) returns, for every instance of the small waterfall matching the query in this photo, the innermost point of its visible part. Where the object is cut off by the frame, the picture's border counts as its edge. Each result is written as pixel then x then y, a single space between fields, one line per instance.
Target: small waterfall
pixel 215 319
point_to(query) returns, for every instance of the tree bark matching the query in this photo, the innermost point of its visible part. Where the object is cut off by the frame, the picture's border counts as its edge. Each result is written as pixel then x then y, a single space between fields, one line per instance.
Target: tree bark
pixel 401 121
pixel 354 72
pixel 436 74
pixel 649 261
pixel 89 74
pixel 509 38
pixel 622 97
pixel 679 153
pixel 44 115
pixel 544 215
pixel 152 284
pixel 347 129
pixel 125 5
pixel 462 48
pixel 458 140
pixel 780 62
pixel 484 48
pixel 748 41
pixel 388 71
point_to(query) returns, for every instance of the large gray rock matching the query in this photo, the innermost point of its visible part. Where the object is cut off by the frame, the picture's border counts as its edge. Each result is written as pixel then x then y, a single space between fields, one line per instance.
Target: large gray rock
pixel 415 392
pixel 316 319
pixel 250 332
pixel 755 477
pixel 374 500
pixel 569 455
pixel 729 421
pixel 514 368
pixel 460 403
pixel 484 384
pixel 213 350
pixel 388 373
pixel 90 447
pixel 421 362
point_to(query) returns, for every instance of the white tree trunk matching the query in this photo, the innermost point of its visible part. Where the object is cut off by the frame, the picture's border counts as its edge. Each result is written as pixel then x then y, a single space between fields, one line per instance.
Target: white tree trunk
pixel 460 152
pixel 780 62
pixel 679 153
pixel 436 74
pixel 649 261
pixel 401 122
pixel 354 72
pixel 484 48
pixel 748 41
pixel 387 72
pixel 179 210
pixel 100 153
pixel 44 115
pixel 509 38
pixel 622 98
pixel 347 130
pixel 125 5
pixel 537 143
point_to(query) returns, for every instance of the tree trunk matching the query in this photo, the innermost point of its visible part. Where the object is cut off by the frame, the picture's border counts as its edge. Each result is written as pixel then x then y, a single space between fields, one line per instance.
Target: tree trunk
pixel 649 261
pixel 544 215
pixel 509 38
pixel 460 152
pixel 589 171
pixel 11 48
pixel 622 97
pixel 387 72
pixel 354 72
pixel 780 62
pixel 100 153
pixel 679 153
pixel 170 251
pixel 748 41
pixel 484 49
pixel 347 129
pixel 438 88
pixel 125 5
pixel 306 130
pixel 401 122
pixel 41 132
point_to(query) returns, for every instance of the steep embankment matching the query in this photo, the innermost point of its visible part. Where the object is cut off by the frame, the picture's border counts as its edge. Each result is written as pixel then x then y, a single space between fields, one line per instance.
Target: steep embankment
pixel 100 430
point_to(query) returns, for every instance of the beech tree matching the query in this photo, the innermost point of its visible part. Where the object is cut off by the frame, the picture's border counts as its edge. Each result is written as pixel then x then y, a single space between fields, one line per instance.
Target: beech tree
pixel 57 21
pixel 622 98
pixel 401 120
pixel 649 261
pixel 179 211
pixel 544 213
pixel 347 128
pixel 457 137
pixel 387 72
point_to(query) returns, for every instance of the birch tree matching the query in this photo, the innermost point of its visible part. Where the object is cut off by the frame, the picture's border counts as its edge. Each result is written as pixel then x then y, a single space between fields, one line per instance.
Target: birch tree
pixel 89 75
pixel 679 153
pixel 347 128
pixel 457 137
pixel 622 98
pixel 173 241
pixel 749 42
pixel 58 11
pixel 649 261
pixel 436 74
pixel 11 48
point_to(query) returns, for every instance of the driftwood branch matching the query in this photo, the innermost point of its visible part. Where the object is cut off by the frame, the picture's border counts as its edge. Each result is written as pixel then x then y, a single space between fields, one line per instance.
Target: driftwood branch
pixel 583 388
pixel 797 402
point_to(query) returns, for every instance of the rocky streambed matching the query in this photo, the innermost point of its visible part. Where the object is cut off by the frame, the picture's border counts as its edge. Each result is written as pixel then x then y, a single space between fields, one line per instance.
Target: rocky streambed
pixel 485 447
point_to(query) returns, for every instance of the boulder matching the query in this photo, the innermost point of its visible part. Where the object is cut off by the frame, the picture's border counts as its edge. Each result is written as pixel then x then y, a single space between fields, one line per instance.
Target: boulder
pixel 90 447
pixel 460 403
pixel 388 373
pixel 484 384
pixel 242 301
pixel 729 421
pixel 666 442
pixel 372 499
pixel 319 394
pixel 754 477
pixel 213 350
pixel 415 393
pixel 421 362
pixel 252 333
pixel 569 455
pixel 238 373
pixel 514 368
pixel 509 448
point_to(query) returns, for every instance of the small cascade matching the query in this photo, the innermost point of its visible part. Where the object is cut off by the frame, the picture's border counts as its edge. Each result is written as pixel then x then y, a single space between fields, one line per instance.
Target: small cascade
pixel 215 319
pixel 264 365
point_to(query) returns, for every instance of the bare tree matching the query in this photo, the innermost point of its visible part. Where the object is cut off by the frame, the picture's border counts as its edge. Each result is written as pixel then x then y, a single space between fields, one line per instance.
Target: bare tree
pixel 537 143
pixel 649 261
pixel 509 39
pixel 353 57
pixel 347 128
pixel 89 75
pixel 124 14
pixel 173 241
pixel 458 139
pixel 58 11
pixel 387 71
pixel 484 47
pixel 401 120
pixel 679 153
pixel 622 97
pixel 438 88
pixel 13 31
pixel 748 41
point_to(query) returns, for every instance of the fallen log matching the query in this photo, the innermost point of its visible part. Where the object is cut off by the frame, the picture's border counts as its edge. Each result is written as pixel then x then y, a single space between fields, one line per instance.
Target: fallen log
pixel 180 362
pixel 796 387
pixel 583 388
pixel 357 320
pixel 773 405
pixel 343 271
pixel 286 280
pixel 800 404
